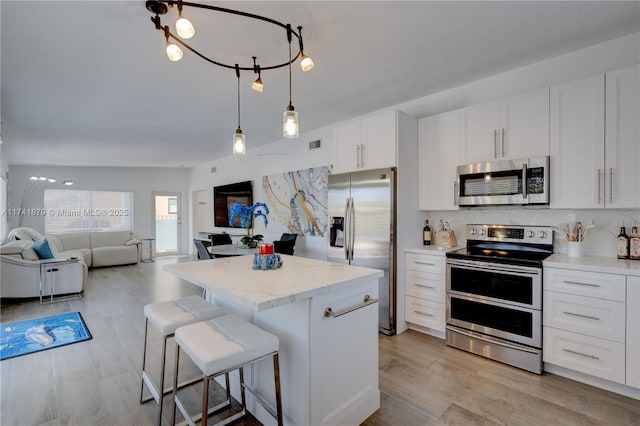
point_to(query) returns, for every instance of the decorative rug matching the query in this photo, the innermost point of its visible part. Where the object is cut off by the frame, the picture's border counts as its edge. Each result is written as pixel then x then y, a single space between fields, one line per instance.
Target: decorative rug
pixel 25 337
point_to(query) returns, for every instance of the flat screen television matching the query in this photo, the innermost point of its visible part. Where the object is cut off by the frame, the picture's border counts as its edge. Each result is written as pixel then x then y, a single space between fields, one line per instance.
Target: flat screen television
pixel 223 198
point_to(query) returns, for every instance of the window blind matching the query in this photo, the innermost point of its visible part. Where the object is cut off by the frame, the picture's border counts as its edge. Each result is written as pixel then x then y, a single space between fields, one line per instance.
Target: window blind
pixel 87 211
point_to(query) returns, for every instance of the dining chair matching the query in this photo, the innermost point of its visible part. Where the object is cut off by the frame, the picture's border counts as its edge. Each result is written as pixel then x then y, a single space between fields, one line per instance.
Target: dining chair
pixel 203 253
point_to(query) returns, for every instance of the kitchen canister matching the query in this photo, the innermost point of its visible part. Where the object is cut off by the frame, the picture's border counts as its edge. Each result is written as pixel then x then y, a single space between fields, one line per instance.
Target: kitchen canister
pixel 574 248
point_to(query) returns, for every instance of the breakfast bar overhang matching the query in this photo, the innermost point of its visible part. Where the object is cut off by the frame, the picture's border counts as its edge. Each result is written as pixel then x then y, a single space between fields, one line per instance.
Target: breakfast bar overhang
pixel 326 318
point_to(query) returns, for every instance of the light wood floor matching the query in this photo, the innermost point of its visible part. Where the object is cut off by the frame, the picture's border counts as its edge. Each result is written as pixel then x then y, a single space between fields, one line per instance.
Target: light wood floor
pixel 422 381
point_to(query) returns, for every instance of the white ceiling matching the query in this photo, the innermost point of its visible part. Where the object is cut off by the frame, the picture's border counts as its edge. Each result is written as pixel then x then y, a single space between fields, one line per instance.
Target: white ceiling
pixel 88 83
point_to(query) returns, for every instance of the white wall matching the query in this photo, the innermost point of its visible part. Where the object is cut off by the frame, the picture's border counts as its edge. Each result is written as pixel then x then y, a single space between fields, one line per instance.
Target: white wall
pixel 141 181
pixel 278 157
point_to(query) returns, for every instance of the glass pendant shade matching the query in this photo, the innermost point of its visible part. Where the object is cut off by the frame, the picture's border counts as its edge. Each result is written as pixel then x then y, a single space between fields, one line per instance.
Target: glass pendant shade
pixel 239 145
pixel 306 63
pixel 185 29
pixel 174 53
pixel 257 85
pixel 290 128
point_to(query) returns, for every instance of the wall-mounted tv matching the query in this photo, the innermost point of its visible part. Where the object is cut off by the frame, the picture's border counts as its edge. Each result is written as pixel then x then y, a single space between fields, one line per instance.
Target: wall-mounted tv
pixel 223 198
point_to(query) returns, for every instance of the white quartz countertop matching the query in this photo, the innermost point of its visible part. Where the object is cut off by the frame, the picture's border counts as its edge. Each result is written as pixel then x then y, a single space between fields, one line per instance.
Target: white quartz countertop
pixel 594 264
pixel 431 249
pixel 299 278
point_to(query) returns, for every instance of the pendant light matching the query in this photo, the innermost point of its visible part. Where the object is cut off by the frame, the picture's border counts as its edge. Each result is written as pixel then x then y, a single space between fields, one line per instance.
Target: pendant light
pixel 239 143
pixel 290 127
pixel 306 63
pixel 174 53
pixel 257 85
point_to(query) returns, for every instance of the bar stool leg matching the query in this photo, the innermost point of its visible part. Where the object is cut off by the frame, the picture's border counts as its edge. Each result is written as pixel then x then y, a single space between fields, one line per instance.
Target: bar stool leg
pixel 144 356
pixel 162 371
pixel 205 401
pixel 243 398
pixel 175 386
pixel 276 373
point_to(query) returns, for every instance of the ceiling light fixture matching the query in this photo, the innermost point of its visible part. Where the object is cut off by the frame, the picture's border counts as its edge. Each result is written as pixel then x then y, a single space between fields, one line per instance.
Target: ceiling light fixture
pixel 185 30
pixel 35 185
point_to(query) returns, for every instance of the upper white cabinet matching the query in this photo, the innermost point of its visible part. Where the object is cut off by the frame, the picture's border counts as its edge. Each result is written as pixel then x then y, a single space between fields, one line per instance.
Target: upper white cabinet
pixel 591 168
pixel 437 160
pixel 622 139
pixel 367 143
pixel 514 127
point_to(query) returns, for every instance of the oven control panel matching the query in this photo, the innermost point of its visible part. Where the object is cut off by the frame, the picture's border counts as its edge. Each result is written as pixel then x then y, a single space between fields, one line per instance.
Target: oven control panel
pixel 511 233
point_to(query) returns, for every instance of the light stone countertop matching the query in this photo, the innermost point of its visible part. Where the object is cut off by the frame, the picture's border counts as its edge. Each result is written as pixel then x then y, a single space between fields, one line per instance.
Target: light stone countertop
pixel 431 249
pixel 594 264
pixel 299 278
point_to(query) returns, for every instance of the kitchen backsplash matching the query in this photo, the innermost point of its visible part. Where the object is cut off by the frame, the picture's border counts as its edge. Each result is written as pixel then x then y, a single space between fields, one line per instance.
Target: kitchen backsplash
pixel 600 240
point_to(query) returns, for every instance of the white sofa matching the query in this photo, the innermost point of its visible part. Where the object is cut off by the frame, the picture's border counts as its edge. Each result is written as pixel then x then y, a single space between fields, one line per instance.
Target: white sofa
pixel 97 249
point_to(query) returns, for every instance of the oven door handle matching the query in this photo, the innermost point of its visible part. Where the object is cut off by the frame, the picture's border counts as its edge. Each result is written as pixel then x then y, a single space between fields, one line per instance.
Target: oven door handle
pixel 488 339
pixel 484 266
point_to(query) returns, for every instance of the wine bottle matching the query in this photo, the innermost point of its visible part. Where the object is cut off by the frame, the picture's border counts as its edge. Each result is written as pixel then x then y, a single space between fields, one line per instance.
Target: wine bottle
pixel 634 244
pixel 623 244
pixel 426 234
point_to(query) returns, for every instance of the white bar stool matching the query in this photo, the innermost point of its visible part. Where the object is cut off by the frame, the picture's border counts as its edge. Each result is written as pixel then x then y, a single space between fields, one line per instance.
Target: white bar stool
pixel 167 317
pixel 219 346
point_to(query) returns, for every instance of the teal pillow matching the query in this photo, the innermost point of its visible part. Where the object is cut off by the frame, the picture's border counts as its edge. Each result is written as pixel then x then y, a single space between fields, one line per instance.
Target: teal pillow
pixel 42 248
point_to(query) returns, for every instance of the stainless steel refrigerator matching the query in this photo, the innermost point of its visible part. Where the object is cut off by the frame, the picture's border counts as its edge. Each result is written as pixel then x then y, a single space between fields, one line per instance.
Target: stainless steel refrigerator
pixel 362 218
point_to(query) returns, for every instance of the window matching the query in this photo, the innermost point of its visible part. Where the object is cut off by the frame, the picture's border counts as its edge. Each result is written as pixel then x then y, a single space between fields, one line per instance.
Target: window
pixel 173 205
pixel 87 211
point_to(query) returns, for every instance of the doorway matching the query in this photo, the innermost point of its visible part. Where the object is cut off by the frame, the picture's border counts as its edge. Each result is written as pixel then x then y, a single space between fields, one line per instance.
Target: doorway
pixel 167 221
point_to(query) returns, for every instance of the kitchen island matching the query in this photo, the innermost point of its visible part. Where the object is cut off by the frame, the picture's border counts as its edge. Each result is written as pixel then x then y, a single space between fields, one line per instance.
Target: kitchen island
pixel 326 318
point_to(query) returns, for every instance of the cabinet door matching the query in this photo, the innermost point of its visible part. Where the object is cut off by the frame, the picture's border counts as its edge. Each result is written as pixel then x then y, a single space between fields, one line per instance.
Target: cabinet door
pixel 437 161
pixel 524 125
pixel 633 332
pixel 347 141
pixel 479 136
pixel 622 155
pixel 577 143
pixel 379 141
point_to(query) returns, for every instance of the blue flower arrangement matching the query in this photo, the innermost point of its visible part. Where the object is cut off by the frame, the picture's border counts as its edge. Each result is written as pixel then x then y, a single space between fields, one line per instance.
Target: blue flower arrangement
pixel 246 213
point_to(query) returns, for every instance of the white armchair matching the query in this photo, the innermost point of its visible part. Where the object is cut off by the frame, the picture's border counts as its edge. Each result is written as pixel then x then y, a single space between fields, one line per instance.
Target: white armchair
pixel 20 273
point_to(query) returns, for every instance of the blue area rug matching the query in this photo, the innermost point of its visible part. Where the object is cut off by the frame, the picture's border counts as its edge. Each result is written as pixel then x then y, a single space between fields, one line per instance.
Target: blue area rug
pixel 26 337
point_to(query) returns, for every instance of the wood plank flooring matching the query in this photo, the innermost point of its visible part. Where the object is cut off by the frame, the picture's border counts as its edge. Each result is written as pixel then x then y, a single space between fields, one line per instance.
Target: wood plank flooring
pixel 422 381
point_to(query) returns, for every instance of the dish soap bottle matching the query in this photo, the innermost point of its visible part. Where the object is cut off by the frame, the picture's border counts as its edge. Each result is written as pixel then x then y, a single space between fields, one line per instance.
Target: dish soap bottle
pixel 623 244
pixel 426 234
pixel 634 244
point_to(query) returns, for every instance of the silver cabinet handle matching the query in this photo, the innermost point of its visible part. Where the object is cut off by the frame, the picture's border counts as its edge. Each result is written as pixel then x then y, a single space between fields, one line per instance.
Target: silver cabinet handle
pixel 579 283
pixel 367 300
pixel 581 354
pixel 610 185
pixel 417 262
pixel 362 146
pixel 358 156
pixel 581 315
pixel 423 313
pixel 495 143
pixel 599 186
pixel 502 142
pixel 423 285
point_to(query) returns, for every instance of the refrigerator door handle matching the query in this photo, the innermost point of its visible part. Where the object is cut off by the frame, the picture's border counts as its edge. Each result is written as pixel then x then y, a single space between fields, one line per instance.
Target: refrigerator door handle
pixel 347 229
pixel 352 229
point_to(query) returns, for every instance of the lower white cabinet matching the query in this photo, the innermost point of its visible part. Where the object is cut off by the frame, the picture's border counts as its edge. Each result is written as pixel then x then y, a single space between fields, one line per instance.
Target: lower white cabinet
pixel 591 324
pixel 425 291
pixel 633 332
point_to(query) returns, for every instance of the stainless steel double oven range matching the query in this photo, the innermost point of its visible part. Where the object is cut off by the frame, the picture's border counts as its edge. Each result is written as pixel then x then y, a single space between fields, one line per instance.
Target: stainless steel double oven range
pixel 494 293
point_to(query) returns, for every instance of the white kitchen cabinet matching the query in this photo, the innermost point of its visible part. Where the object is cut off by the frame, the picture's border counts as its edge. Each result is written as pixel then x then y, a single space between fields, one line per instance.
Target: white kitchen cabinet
pixel 633 332
pixel 509 128
pixel 437 160
pixel 367 143
pixel 425 275
pixel 621 175
pixel 591 168
pixel 584 322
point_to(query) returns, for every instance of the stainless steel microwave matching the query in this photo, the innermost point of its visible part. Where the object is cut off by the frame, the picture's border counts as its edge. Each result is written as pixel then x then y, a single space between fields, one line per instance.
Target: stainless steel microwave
pixel 508 182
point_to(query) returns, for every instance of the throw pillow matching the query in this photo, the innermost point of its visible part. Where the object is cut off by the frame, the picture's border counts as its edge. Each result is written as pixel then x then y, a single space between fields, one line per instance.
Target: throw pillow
pixel 42 248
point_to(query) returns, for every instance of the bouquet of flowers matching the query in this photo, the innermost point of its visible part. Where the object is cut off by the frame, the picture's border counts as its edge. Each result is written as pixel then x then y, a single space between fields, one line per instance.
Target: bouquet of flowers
pixel 246 213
